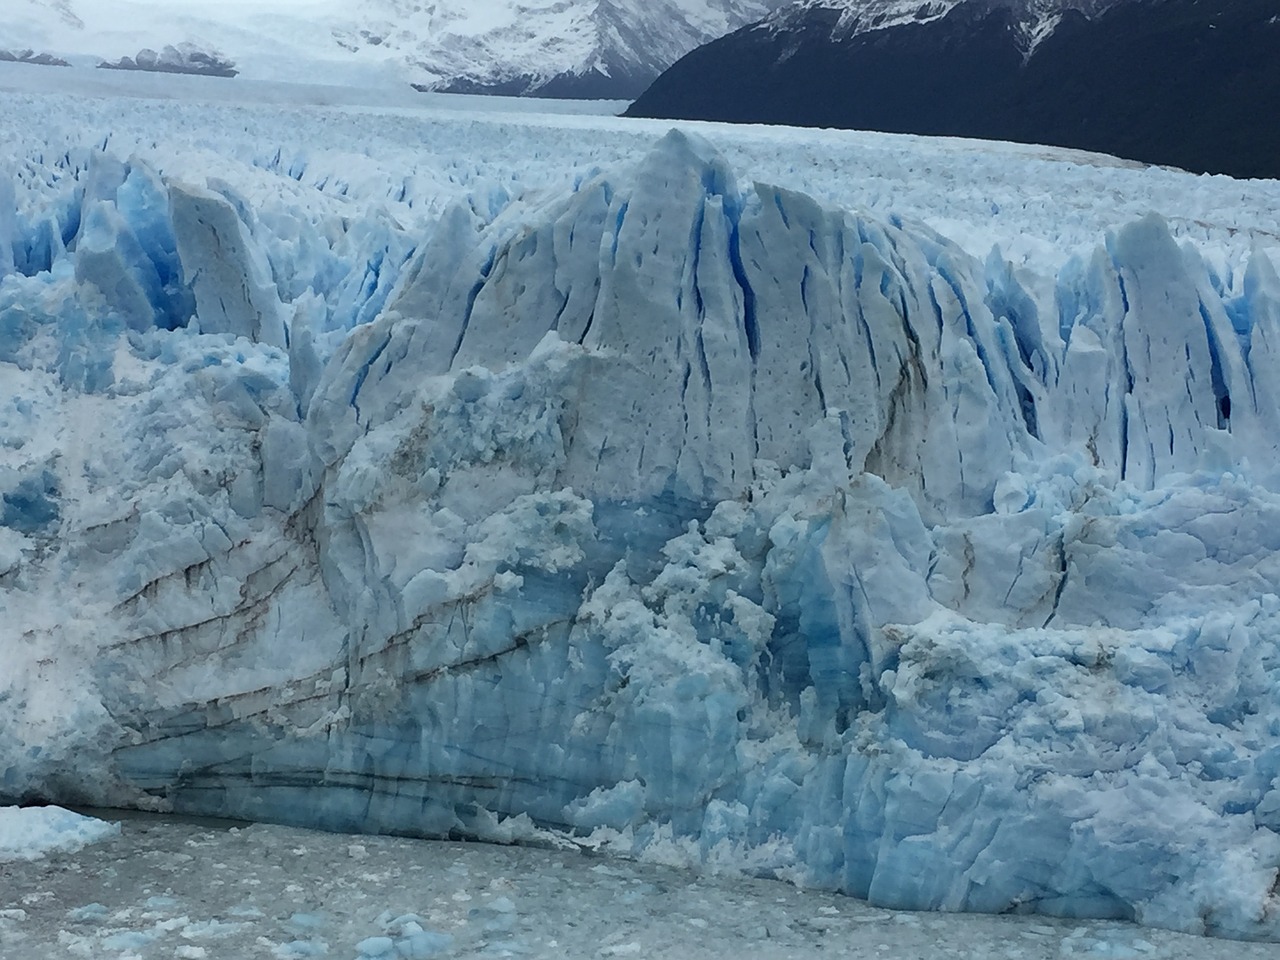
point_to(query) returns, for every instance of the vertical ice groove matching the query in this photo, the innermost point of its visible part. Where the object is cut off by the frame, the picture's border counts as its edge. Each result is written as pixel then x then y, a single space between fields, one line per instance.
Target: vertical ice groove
pixel 860 291
pixel 748 295
pixel 8 224
pixel 750 327
pixel 942 265
pixel 362 373
pixel 1123 398
pixel 465 320
pixel 619 216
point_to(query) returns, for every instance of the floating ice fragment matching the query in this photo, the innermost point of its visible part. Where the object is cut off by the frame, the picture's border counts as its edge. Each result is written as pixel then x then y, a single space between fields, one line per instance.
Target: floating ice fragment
pixel 89 913
pixel 421 944
pixel 376 947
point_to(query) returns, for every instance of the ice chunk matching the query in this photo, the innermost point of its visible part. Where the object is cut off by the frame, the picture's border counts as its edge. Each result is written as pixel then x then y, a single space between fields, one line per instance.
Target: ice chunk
pixel 421 944
pixel 31 832
pixel 231 284
pixel 89 913
pixel 111 258
pixel 296 949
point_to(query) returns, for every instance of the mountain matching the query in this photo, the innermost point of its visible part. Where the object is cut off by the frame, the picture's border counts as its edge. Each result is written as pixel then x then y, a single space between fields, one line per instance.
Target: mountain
pixel 606 48
pixel 580 48
pixel 1188 83
pixel 1034 19
pixel 30 56
pixel 186 58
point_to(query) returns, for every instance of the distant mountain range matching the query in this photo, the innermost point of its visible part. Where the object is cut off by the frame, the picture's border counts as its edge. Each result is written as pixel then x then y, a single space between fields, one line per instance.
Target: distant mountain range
pixel 30 56
pixel 1187 83
pixel 184 58
pixel 608 49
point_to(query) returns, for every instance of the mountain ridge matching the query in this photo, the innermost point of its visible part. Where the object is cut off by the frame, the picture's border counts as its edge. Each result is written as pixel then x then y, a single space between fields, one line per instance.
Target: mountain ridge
pixel 608 49
pixel 1173 82
pixel 1035 18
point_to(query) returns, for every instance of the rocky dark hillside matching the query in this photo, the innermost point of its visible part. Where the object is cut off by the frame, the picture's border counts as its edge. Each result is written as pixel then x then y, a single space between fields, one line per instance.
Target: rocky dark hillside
pixel 1187 83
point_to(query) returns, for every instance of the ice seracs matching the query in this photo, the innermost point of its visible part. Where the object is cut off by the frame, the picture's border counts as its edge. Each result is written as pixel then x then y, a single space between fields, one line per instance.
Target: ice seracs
pixel 665 510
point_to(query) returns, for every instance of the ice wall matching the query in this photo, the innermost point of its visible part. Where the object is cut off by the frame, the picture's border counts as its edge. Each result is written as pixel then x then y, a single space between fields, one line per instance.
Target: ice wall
pixel 673 514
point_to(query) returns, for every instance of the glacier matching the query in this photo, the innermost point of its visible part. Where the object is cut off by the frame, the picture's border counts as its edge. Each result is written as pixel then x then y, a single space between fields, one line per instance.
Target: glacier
pixel 668 510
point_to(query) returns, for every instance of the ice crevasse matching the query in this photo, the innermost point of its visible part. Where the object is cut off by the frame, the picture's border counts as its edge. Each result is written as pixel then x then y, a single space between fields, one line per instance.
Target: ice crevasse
pixel 669 513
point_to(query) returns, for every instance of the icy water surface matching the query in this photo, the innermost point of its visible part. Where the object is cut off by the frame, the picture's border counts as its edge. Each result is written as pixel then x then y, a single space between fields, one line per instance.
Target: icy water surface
pixel 190 891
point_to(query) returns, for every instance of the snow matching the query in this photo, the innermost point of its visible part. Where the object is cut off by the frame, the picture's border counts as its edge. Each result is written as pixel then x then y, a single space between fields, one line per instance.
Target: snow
pixel 30 833
pixel 867 15
pixel 889 515
pixel 385 42
pixel 1034 19
pixel 165 889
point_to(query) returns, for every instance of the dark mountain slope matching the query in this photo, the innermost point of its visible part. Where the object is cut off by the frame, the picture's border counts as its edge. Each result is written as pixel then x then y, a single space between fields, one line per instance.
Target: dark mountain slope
pixel 1188 83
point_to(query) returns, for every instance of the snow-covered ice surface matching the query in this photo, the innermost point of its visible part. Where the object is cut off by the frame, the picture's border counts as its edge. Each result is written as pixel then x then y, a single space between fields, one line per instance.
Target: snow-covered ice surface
pixel 26 78
pixel 163 889
pixel 32 832
pixel 908 529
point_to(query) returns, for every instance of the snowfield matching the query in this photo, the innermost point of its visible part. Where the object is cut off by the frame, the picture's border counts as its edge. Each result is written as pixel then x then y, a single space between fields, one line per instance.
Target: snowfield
pixel 894 516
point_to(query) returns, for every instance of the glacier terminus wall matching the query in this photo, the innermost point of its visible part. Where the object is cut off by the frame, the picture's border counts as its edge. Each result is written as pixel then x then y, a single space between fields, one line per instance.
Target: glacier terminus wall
pixel 665 511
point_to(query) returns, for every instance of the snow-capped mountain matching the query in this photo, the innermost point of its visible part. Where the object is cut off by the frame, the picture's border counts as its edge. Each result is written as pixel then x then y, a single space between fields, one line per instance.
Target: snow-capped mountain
pixel 184 58
pixel 1177 82
pixel 1033 19
pixel 596 48
pixel 609 47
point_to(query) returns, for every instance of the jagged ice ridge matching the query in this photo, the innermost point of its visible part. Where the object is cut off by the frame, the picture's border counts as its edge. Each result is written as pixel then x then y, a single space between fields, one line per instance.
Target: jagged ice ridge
pixel 662 510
